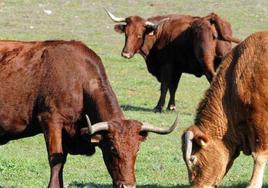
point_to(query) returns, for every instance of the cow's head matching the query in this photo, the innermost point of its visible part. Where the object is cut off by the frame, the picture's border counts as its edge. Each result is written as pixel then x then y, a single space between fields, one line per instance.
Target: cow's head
pixel 119 141
pixel 135 29
pixel 207 159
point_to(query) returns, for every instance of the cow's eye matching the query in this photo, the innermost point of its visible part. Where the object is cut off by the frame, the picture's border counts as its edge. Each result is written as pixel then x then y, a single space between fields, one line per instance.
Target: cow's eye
pixel 113 150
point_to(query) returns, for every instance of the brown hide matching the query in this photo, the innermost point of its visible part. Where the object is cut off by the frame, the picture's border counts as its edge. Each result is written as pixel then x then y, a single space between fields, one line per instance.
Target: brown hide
pixel 179 44
pixel 211 39
pixel 48 87
pixel 232 117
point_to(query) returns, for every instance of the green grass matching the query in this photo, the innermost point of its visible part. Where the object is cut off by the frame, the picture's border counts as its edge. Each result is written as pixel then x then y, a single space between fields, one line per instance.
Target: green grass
pixel 23 163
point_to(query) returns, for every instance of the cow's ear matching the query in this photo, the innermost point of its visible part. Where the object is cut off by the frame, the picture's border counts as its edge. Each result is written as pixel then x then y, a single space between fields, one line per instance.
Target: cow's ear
pixel 150 31
pixel 95 139
pixel 201 140
pixel 120 28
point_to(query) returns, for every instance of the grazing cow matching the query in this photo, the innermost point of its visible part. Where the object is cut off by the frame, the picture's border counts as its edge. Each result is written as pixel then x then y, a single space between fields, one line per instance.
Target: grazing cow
pixel 169 48
pixel 49 87
pixel 232 117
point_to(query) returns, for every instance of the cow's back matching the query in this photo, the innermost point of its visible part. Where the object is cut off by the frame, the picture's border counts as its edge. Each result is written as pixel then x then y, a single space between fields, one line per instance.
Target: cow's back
pixel 20 74
pixel 245 71
pixel 37 77
pixel 246 68
pixel 173 46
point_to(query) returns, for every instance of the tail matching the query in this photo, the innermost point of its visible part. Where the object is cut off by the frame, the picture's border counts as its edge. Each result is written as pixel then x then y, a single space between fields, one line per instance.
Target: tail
pixel 220 25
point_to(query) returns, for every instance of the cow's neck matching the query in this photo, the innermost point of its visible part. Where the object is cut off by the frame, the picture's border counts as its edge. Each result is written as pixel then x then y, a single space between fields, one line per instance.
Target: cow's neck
pixel 105 104
pixel 211 116
pixel 154 42
pixel 148 44
pixel 214 115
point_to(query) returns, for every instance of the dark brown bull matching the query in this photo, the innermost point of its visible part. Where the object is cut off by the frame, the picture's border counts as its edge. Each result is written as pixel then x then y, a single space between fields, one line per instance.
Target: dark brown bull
pixel 48 87
pixel 232 117
pixel 176 44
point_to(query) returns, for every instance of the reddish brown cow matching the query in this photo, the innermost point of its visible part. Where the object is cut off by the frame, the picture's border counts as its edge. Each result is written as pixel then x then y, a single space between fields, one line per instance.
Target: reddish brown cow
pixel 170 49
pixel 211 39
pixel 48 87
pixel 232 117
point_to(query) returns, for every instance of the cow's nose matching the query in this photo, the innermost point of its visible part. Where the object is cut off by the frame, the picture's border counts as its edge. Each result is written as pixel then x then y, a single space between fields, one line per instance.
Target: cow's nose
pixel 127 54
pixel 124 185
pixel 127 186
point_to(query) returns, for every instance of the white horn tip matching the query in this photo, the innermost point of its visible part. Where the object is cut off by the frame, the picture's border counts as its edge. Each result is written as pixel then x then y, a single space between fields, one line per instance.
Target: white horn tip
pixel 89 124
pixel 189 135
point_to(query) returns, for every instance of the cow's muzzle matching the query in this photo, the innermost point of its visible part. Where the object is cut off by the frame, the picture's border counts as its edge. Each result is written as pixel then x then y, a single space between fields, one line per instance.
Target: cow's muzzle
pixel 127 55
pixel 124 185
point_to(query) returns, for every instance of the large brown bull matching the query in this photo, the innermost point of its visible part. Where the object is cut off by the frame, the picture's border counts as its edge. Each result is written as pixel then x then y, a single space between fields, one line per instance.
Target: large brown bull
pixel 176 44
pixel 232 117
pixel 50 87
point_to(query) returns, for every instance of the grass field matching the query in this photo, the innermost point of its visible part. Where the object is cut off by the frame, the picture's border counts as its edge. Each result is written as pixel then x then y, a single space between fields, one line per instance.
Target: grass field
pixel 23 163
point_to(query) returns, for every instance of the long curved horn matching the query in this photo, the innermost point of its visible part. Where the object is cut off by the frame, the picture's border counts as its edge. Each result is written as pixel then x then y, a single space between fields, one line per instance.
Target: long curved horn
pixel 188 137
pixel 91 129
pixel 146 127
pixel 114 18
pixel 102 126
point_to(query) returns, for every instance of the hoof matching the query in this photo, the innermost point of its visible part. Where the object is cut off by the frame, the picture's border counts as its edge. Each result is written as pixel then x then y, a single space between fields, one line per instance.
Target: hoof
pixel 158 109
pixel 171 108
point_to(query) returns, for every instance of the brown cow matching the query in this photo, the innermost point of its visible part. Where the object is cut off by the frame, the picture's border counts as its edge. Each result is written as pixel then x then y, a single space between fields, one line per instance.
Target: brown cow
pixel 208 37
pixel 48 87
pixel 232 117
pixel 167 45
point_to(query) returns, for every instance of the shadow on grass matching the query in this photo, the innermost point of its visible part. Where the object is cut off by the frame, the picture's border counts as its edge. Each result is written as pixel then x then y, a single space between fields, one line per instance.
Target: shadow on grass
pixel 135 108
pixel 93 185
pixel 240 185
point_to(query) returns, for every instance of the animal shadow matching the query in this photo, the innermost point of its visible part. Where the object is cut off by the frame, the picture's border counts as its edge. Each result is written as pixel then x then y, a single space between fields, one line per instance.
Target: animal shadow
pixel 93 185
pixel 241 185
pixel 135 108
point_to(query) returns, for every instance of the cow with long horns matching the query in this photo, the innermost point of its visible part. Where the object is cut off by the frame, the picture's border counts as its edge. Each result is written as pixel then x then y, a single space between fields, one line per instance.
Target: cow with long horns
pixel 232 117
pixel 57 88
pixel 176 44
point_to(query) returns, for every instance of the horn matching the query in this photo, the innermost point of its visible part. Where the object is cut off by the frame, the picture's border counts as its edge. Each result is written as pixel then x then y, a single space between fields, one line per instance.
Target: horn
pixel 154 26
pixel 89 125
pixel 150 25
pixel 91 129
pixel 188 145
pixel 114 18
pixel 146 127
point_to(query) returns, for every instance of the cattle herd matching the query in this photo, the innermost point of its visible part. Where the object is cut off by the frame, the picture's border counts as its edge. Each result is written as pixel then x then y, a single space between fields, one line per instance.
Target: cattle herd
pixel 60 89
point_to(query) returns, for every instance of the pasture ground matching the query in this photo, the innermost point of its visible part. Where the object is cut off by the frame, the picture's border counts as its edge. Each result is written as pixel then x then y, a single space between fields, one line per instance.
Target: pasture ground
pixel 23 163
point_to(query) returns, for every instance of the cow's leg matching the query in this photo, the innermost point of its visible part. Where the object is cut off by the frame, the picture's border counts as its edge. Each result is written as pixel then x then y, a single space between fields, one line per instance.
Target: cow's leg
pixel 165 78
pixel 161 101
pixel 260 161
pixel 172 90
pixel 53 136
